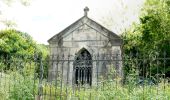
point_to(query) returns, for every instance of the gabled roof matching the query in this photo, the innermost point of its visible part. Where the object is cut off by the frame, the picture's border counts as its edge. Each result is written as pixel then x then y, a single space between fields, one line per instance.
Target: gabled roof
pixel 87 21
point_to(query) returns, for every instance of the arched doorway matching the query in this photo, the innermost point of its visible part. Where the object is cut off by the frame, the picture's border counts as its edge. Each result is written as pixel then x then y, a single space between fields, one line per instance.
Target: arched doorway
pixel 83 68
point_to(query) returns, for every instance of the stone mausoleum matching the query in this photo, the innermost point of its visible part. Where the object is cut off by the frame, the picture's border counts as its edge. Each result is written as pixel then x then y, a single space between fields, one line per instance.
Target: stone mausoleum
pixel 83 52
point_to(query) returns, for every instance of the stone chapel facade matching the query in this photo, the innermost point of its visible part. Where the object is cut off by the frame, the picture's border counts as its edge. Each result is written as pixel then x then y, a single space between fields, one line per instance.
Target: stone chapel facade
pixel 84 40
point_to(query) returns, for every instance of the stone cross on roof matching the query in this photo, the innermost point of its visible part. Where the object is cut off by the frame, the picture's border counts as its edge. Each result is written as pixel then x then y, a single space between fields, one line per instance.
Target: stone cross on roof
pixel 86 9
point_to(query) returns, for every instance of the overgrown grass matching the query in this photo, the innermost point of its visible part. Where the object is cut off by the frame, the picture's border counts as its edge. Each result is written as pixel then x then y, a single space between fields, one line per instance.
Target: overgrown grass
pixel 15 86
pixel 109 91
pixel 21 85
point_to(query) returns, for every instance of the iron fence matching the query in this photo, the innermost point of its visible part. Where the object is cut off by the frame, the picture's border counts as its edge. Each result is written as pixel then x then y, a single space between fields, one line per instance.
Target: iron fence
pixel 85 77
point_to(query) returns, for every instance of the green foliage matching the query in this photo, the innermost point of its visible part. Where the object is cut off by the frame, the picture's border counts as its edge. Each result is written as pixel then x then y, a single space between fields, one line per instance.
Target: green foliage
pixel 15 42
pixel 23 87
pixel 108 91
pixel 23 84
pixel 16 86
pixel 44 57
pixel 16 45
pixel 149 39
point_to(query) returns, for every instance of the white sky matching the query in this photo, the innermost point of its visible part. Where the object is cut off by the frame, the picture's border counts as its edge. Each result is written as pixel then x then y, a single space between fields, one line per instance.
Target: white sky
pixel 45 18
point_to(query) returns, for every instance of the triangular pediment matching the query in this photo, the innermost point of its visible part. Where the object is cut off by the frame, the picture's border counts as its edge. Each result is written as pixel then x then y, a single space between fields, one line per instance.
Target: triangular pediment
pixel 84 22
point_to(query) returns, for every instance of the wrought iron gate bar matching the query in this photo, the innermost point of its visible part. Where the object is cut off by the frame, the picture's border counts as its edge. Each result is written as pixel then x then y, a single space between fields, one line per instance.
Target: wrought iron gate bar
pixel 114 60
pixel 71 76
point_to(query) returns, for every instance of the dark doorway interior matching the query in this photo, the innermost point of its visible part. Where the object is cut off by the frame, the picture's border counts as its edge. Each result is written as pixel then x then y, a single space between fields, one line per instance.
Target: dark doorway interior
pixel 83 68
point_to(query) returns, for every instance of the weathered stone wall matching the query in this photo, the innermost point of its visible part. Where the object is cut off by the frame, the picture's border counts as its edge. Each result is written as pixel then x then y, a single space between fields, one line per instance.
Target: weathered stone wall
pixel 94 42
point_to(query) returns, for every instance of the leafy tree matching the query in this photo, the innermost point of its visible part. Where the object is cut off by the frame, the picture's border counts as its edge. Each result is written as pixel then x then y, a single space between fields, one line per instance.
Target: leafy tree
pixel 44 57
pixel 16 42
pixel 150 38
pixel 16 45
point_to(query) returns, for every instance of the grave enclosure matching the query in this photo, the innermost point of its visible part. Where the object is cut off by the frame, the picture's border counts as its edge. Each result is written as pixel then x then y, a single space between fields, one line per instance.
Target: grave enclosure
pixel 84 52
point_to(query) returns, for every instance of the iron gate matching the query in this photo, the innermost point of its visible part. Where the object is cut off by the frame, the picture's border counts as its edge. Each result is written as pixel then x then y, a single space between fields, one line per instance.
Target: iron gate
pixel 81 77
